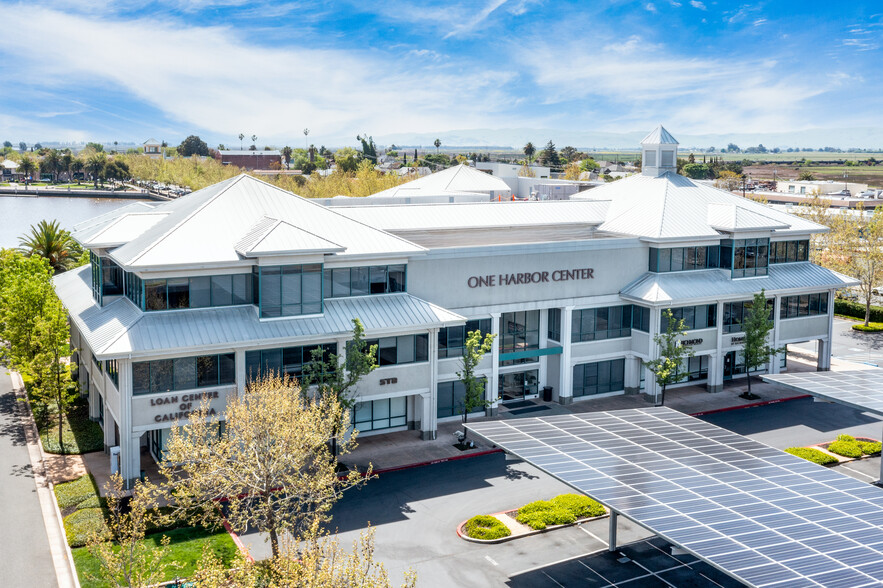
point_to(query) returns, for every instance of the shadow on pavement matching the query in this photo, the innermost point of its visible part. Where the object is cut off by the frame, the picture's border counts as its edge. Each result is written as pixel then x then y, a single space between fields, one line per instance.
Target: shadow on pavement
pixel 821 416
pixel 9 426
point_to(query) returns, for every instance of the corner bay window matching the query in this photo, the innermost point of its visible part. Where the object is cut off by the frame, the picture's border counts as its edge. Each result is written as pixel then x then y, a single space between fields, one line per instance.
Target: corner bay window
pixel 677 259
pixel 288 361
pixel 452 340
pixel 289 290
pixel 107 277
pixel 789 251
pixel 112 368
pixel 803 305
pixel 401 350
pixel 183 373
pixel 198 292
pixel 360 281
pixel 598 377
pixel 745 257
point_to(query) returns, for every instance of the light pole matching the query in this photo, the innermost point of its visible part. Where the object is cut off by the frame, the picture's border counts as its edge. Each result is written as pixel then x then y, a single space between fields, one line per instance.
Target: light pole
pixel 743 185
pixel 846 181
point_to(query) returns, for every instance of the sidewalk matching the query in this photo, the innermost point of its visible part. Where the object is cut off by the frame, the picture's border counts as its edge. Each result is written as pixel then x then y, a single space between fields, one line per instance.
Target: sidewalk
pixel 393 451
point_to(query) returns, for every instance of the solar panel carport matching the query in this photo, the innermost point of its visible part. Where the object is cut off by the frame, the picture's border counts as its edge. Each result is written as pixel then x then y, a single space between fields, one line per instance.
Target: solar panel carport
pixel 859 389
pixel 762 516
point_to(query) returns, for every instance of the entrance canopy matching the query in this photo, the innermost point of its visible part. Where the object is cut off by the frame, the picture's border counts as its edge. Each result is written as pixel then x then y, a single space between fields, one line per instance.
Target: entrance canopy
pixel 762 516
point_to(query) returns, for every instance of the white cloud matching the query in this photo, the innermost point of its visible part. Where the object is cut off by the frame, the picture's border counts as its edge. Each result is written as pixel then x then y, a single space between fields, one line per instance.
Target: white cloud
pixel 208 79
pixel 469 23
pixel 650 7
pixel 697 4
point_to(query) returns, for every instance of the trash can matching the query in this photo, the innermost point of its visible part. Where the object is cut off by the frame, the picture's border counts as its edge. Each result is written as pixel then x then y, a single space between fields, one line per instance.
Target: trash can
pixel 547 393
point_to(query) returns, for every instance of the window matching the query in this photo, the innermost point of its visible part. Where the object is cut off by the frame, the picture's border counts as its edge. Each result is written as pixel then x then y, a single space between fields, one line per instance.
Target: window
pixel 693 369
pixel 640 318
pixel 288 360
pixel 134 288
pixel 789 251
pixel 804 305
pixel 107 277
pixel 650 158
pixel 359 281
pixel 734 312
pixel 95 263
pixel 676 259
pixel 451 398
pixel 98 365
pixel 184 373
pixel 290 290
pixel 554 320
pixel 198 292
pixel 112 368
pixel 380 414
pixel 595 324
pixel 695 317
pixel 520 331
pixel 668 158
pixel 750 257
pixel 452 340
pixel 401 350
pixel 598 377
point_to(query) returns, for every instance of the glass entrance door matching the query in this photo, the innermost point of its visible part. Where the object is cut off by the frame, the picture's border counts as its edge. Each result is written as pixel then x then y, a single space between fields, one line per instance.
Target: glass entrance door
pixel 518 385
pixel 734 364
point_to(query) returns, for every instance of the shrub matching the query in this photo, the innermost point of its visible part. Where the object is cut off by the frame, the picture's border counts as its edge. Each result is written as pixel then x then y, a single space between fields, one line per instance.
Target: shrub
pixel 870 328
pixel 581 506
pixel 83 524
pixel 857 310
pixel 847 438
pixel 485 527
pixel 813 455
pixel 538 515
pixel 845 448
pixel 535 520
pixel 535 506
pixel 76 493
pixel 869 447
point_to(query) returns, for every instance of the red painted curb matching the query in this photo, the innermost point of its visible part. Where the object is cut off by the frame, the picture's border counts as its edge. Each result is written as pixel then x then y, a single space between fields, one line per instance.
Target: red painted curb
pixel 752 405
pixel 435 461
pixel 239 544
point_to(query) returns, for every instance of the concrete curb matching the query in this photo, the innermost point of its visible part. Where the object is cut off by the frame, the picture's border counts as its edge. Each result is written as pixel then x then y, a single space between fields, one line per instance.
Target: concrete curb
pixel 62 558
pixel 237 540
pixel 530 533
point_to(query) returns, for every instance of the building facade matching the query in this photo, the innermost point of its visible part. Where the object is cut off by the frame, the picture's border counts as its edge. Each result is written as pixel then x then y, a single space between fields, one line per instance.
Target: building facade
pixel 189 299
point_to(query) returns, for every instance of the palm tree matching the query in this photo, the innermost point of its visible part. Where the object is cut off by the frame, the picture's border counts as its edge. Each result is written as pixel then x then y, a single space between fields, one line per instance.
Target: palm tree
pixel 95 166
pixel 286 155
pixel 76 167
pixel 529 150
pixel 66 161
pixel 27 166
pixel 52 164
pixel 49 240
pixel 437 144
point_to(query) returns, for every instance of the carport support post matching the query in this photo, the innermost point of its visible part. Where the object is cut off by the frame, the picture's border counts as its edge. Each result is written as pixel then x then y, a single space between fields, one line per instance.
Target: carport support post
pixel 880 481
pixel 612 542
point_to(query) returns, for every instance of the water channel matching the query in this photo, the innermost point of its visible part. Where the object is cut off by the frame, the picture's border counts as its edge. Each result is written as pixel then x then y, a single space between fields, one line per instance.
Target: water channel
pixel 18 213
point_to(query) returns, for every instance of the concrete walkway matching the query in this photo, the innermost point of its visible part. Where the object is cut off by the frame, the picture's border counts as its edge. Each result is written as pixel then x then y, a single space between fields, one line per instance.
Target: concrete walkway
pixel 29 523
pixel 393 451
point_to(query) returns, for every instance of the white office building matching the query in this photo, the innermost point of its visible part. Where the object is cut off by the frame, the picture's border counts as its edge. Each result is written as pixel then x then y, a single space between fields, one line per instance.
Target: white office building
pixel 187 299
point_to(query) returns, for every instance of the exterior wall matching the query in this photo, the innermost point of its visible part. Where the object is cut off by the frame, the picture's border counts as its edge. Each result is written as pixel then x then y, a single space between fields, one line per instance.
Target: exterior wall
pixel 810 327
pixel 410 379
pixel 158 411
pixel 580 352
pixel 259 160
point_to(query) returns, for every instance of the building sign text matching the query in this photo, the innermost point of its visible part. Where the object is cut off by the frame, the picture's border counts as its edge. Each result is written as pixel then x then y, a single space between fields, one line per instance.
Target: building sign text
pixel 560 275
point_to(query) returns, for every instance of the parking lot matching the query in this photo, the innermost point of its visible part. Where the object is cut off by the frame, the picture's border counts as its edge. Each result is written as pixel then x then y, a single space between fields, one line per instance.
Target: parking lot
pixel 415 513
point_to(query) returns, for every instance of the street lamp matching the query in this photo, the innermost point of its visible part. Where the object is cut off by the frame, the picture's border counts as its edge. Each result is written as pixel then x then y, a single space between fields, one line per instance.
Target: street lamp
pixel 846 181
pixel 743 185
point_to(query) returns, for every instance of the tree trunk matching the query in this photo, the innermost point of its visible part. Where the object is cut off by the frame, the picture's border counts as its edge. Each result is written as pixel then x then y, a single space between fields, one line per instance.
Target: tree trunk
pixel 868 309
pixel 662 396
pixel 271 524
pixel 748 377
pixel 58 395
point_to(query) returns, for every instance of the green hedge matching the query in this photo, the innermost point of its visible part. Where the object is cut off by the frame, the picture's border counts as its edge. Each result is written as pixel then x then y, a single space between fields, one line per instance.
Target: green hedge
pixel 869 447
pixel 845 448
pixel 80 493
pixel 83 524
pixel 813 455
pixel 485 527
pixel 857 310
pixel 581 506
pixel 871 328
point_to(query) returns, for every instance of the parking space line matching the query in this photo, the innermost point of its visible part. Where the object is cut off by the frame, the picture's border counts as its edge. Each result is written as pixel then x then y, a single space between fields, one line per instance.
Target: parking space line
pixel 855 471
pixel 592 535
pixel 653 573
pixel 555 563
pixel 490 559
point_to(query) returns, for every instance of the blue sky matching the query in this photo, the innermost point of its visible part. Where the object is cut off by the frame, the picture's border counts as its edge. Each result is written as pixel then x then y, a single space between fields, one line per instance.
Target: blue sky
pixel 127 70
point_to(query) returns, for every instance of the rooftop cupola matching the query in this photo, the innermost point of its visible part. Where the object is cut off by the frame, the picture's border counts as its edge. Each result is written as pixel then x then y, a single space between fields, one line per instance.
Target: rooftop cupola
pixel 659 153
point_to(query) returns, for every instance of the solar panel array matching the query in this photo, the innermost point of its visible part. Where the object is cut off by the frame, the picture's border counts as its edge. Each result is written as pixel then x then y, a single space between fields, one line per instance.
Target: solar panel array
pixel 761 515
pixel 861 389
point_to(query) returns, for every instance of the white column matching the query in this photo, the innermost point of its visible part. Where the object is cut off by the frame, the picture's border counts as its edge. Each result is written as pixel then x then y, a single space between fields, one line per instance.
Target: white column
pixel 716 362
pixel 491 392
pixel 433 383
pixel 565 394
pixel 241 375
pixel 109 430
pixel 428 429
pixel 824 359
pixel 130 458
pixel 633 367
pixel 543 373
pixel 651 389
pixel 773 365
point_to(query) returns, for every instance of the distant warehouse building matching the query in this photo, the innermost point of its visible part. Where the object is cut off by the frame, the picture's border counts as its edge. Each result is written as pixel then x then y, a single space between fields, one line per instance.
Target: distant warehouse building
pixel 250 159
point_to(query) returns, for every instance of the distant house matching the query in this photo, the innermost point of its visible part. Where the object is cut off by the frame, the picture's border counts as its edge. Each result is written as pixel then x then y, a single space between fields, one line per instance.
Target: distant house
pixel 9 170
pixel 250 159
pixel 152 148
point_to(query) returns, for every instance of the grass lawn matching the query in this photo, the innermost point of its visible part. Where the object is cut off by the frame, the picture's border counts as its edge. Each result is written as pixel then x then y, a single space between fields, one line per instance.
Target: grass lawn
pixel 80 435
pixel 185 549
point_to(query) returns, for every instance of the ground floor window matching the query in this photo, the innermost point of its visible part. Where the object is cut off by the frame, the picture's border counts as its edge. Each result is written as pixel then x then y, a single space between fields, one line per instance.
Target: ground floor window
pixel 374 415
pixel 598 377
pixel 518 385
pixel 734 364
pixel 693 369
pixel 451 398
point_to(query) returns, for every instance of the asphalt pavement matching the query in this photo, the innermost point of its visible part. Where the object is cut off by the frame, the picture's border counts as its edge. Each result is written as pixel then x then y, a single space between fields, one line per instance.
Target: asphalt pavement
pixel 26 558
pixel 851 345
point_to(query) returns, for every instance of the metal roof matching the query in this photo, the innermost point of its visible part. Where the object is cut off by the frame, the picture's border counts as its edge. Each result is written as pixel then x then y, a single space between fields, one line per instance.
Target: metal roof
pixel 204 227
pixel 479 214
pixel 732 218
pixel 271 236
pixel 123 229
pixel 460 178
pixel 659 136
pixel 674 207
pixel 83 231
pixel 717 284
pixel 119 329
